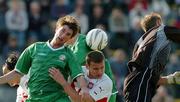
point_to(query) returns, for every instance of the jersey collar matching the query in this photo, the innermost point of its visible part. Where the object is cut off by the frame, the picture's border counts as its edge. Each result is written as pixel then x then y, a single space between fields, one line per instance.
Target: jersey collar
pixel 54 49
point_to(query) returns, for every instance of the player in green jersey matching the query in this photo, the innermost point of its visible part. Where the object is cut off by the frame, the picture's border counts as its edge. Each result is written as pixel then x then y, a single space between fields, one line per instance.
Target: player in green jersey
pixel 39 57
pixel 80 48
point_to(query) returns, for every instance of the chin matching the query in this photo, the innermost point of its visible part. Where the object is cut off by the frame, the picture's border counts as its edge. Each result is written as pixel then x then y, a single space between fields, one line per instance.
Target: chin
pixel 99 77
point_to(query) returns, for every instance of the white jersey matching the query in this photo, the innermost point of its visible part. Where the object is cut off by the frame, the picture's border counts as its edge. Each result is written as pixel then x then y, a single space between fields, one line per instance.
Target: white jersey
pixel 99 89
pixel 22 93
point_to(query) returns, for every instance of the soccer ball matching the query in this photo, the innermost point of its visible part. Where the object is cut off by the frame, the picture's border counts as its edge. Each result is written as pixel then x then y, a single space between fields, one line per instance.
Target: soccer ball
pixel 96 39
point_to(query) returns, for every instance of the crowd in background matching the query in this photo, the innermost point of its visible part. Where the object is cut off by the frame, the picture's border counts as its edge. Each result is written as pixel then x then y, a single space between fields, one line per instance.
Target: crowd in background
pixel 23 22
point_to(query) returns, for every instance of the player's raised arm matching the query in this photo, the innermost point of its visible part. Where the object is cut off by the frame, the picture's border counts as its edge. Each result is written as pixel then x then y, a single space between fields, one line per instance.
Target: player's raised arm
pixel 9 76
pixel 172 33
pixel 9 73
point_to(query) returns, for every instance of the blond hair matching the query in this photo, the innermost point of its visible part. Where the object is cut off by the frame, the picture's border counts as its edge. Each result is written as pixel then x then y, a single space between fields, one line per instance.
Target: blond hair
pixel 150 20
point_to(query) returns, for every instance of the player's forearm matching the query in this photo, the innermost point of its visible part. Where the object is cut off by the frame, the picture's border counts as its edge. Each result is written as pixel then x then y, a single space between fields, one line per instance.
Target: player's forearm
pixel 82 82
pixel 162 81
pixel 71 92
pixel 9 76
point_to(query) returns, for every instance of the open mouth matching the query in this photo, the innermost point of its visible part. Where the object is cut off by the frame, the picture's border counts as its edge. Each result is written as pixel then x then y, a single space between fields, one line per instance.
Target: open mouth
pixel 60 38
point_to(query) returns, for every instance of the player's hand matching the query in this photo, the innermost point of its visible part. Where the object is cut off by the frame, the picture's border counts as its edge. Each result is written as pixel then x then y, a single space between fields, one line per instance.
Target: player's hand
pixel 84 94
pixel 174 78
pixel 57 76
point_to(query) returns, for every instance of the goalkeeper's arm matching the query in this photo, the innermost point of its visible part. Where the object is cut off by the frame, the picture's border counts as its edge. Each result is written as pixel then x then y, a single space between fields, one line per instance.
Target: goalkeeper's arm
pixel 170 79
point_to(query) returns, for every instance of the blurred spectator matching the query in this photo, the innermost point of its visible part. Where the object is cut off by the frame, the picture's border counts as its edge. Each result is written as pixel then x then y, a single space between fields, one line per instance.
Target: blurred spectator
pixel 162 95
pixel 36 21
pixel 17 20
pixel 31 39
pixel 45 8
pixel 3 30
pixel 161 7
pixel 97 17
pixel 135 16
pixel 59 9
pixel 132 4
pixel 81 16
pixel 11 46
pixel 119 28
pixel 118 21
pixel 3 9
pixel 118 64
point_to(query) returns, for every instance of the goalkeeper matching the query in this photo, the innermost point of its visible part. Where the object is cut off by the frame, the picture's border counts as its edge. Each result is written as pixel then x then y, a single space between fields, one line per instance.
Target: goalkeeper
pixel 149 59
pixel 80 48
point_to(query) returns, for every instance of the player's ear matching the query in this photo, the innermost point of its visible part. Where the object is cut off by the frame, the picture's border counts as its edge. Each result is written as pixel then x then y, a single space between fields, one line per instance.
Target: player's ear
pixel 87 66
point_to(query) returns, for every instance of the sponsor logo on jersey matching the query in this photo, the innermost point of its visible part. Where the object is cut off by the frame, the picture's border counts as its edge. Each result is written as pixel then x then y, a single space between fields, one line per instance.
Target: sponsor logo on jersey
pixel 62 57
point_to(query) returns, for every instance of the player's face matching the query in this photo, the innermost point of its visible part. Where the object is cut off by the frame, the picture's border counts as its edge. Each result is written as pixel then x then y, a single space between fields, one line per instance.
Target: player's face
pixel 13 82
pixel 96 70
pixel 63 34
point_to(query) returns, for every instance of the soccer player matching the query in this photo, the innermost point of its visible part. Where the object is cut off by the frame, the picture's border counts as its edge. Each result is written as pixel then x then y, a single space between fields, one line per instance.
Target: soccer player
pixel 39 57
pixel 81 49
pixel 22 93
pixel 149 58
pixel 99 84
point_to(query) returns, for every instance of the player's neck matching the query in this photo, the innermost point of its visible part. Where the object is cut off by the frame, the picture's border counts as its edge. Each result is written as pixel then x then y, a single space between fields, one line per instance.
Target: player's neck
pixel 55 44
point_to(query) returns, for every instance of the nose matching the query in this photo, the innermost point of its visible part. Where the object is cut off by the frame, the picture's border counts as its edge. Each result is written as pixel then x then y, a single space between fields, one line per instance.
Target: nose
pixel 100 72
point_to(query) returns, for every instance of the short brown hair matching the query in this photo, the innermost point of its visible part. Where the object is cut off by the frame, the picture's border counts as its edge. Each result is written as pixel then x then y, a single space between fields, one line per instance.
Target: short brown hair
pixel 11 60
pixel 94 56
pixel 149 21
pixel 70 21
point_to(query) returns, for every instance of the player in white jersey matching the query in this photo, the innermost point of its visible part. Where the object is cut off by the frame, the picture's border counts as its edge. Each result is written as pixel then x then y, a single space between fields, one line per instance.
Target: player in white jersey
pixel 99 84
pixel 22 93
pixel 99 88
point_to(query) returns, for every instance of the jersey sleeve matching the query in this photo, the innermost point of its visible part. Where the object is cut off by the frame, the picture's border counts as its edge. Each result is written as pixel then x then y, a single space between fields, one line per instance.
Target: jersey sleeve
pixel 102 91
pixel 109 73
pixel 81 49
pixel 172 33
pixel 24 62
pixel 75 68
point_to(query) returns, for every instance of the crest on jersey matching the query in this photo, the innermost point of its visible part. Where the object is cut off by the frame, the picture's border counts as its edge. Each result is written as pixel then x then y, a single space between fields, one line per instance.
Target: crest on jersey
pixel 62 57
pixel 90 85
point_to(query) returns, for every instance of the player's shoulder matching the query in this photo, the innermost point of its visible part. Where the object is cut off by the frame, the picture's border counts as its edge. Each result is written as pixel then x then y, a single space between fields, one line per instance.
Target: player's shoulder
pixel 82 36
pixel 105 77
pixel 81 39
pixel 105 80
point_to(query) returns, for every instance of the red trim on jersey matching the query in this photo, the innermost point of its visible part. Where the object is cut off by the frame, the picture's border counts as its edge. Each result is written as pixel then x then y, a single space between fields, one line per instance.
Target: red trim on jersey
pixel 105 99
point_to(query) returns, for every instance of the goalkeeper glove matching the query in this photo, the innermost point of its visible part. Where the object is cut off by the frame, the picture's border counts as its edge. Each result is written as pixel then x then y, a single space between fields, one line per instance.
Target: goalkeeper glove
pixel 174 78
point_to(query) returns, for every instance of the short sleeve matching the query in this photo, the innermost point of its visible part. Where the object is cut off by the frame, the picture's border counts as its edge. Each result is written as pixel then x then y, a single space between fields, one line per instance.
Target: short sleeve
pixel 24 62
pixel 75 68
pixel 102 90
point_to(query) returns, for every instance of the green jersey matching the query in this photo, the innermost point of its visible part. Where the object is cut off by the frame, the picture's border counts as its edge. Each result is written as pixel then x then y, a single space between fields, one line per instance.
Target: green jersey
pixel 37 59
pixel 80 49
